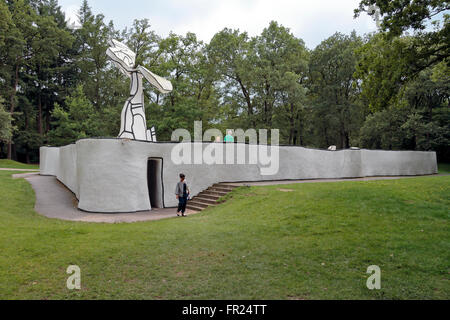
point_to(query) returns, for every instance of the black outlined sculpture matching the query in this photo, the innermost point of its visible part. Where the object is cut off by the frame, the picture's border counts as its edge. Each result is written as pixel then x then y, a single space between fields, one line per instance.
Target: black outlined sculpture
pixel 133 123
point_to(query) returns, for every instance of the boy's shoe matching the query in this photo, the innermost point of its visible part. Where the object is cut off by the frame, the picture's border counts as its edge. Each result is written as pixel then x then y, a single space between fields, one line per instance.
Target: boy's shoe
pixel 178 214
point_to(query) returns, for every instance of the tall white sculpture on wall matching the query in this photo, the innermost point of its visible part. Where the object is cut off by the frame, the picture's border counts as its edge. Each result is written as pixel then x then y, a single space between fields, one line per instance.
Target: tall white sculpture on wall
pixel 133 123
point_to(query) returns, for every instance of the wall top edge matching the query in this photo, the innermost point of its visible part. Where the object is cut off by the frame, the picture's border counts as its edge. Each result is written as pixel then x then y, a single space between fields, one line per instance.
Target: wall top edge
pixel 237 143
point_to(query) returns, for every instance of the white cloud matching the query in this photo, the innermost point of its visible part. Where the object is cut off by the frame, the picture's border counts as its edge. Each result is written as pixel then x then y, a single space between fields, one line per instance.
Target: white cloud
pixel 311 20
pixel 71 12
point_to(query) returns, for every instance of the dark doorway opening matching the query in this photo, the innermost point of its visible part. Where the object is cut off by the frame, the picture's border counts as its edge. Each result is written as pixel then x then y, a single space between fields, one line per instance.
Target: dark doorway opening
pixel 154 181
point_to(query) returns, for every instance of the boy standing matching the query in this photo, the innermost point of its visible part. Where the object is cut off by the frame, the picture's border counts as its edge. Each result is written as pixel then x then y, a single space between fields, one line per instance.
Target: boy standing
pixel 182 192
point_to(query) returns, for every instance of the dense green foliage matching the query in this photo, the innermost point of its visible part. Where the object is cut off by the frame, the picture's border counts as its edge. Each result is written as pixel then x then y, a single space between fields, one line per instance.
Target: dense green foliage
pixel 385 90
pixel 314 242
pixel 6 127
pixel 444 168
pixel 400 16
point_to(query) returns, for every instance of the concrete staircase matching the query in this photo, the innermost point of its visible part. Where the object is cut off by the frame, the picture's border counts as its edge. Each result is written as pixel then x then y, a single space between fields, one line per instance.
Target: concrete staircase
pixel 210 196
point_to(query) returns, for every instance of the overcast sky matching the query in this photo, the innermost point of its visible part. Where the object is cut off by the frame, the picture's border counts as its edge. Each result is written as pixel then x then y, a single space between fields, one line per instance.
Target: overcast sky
pixel 311 20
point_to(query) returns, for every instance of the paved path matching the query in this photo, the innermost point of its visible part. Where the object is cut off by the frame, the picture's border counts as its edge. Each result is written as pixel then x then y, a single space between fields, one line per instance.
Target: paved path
pixel 24 175
pixel 54 200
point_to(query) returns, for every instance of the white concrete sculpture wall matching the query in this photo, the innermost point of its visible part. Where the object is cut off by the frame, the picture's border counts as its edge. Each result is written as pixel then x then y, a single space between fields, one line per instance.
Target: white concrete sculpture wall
pixel 67 172
pixel 133 121
pixel 110 175
pixel 49 161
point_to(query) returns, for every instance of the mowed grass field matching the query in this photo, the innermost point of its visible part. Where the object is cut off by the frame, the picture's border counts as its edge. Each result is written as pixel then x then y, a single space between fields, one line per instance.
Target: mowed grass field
pixel 301 241
pixel 4 163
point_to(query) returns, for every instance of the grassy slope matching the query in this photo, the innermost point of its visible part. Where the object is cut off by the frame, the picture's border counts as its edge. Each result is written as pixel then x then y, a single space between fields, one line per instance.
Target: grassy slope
pixel 315 242
pixel 5 163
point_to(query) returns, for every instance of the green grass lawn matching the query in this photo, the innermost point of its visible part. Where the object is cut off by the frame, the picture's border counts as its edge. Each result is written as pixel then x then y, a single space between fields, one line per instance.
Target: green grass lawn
pixel 314 242
pixel 5 163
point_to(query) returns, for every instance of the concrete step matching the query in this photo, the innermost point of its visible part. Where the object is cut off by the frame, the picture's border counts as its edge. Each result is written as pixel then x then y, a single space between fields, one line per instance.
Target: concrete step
pixel 219 189
pixel 223 187
pixel 206 195
pixel 205 199
pixel 229 185
pixel 193 207
pixel 209 196
pixel 200 204
pixel 216 192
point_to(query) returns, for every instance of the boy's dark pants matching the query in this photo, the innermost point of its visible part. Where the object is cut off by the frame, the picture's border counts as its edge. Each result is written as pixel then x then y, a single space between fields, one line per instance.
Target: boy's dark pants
pixel 182 201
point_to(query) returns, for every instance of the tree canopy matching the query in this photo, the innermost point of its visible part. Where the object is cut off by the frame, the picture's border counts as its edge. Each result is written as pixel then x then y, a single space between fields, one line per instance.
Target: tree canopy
pixel 388 89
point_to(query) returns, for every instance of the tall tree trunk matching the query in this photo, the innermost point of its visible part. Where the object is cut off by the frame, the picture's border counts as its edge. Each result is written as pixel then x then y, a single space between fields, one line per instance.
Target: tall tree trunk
pixel 265 119
pixel 47 121
pixel 347 140
pixel 298 130
pixel 14 152
pixel 326 136
pixel 39 119
pixel 344 134
pixel 97 91
pixel 9 149
pixel 248 100
pixel 27 156
pixel 268 106
pixel 13 106
pixel 292 137
pixel 300 137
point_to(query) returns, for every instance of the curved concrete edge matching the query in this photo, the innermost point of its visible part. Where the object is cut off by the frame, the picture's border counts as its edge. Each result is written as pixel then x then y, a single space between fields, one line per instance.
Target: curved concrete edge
pixel 110 175
pixel 49 161
pixel 55 201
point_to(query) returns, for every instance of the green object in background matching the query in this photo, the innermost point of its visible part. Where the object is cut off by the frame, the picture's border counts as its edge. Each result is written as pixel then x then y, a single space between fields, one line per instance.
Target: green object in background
pixel 229 138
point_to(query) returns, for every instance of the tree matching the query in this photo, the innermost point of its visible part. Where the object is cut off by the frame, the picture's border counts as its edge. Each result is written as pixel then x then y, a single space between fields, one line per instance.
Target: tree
pixel 261 80
pixel 49 47
pixel 182 59
pixel 103 85
pixel 279 74
pixel 76 122
pixel 419 119
pixel 390 90
pixel 91 42
pixel 427 48
pixel 335 90
pixel 5 22
pixel 6 127
pixel 143 41
pixel 399 16
pixel 384 70
pixel 229 52
pixel 32 55
pixel 18 40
